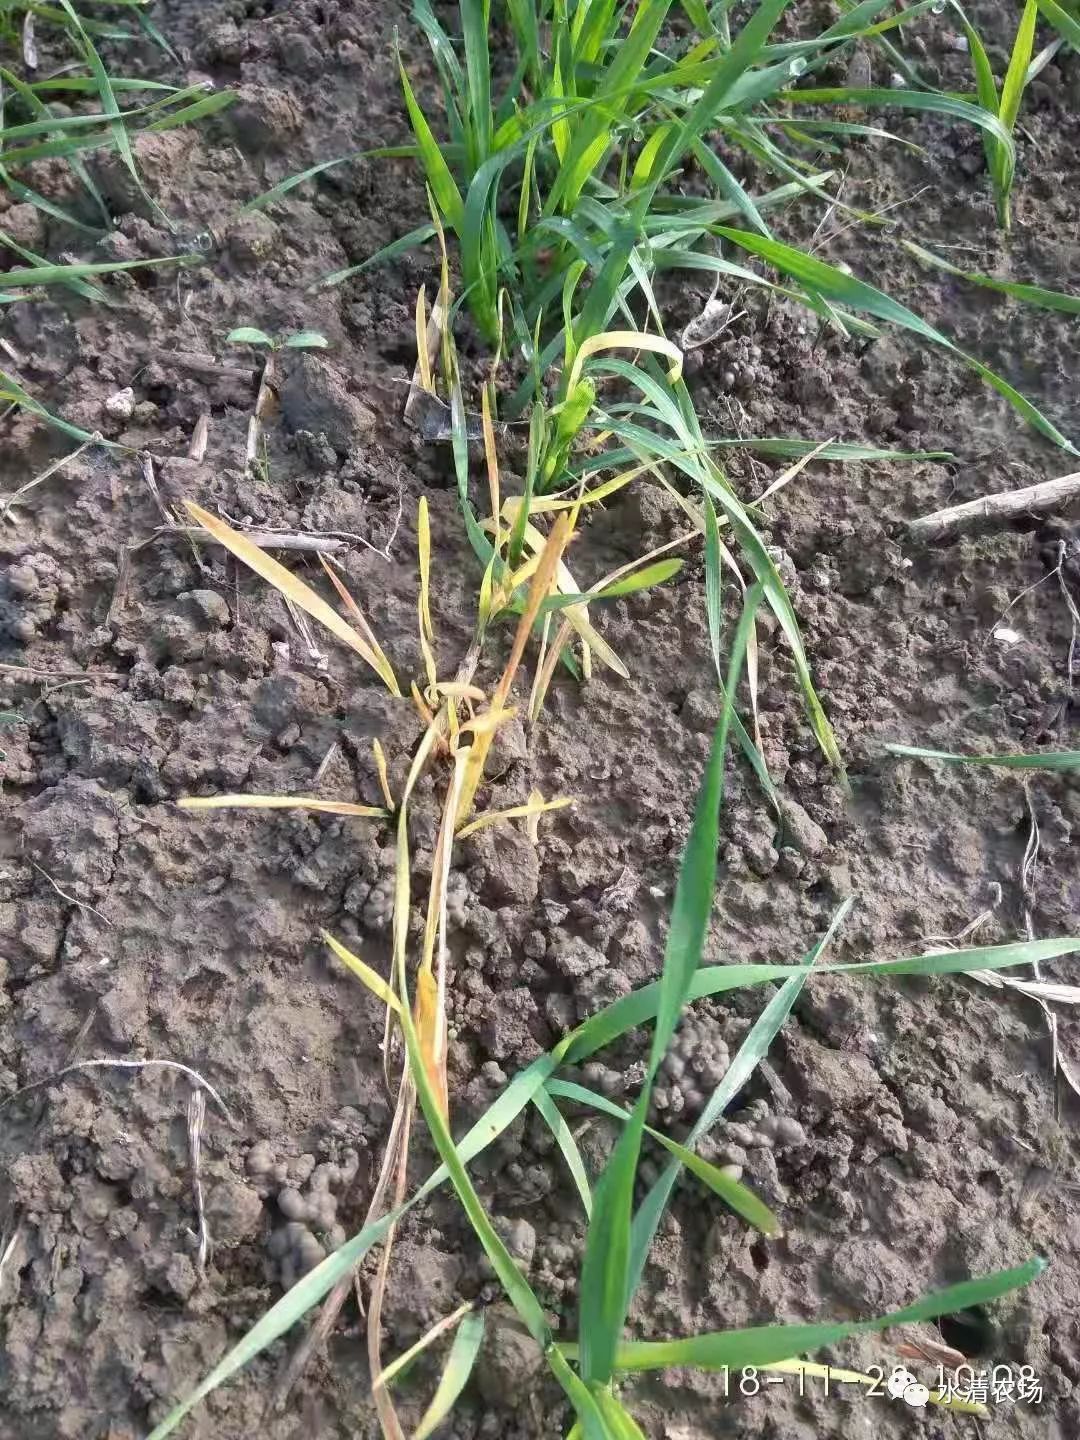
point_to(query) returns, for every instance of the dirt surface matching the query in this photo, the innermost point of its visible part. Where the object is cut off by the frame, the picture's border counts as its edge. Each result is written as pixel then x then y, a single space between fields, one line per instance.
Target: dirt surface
pixel 902 1120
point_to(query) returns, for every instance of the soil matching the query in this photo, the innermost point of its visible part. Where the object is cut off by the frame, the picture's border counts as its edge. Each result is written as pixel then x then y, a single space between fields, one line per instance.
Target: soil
pixel 898 1124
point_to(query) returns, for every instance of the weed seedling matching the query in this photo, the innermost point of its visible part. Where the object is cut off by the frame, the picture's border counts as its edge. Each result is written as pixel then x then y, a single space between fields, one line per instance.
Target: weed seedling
pixel 297 340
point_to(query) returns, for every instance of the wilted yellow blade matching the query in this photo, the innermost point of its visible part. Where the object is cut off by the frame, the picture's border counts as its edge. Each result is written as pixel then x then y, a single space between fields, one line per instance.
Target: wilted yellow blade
pixel 423 355
pixel 515 812
pixel 541 584
pixel 280 802
pixel 440 1327
pixel 456 690
pixel 549 504
pixel 510 583
pixel 487 723
pixel 371 978
pixel 427 634
pixel 384 777
pixel 532 824
pixel 382 665
pixel 789 474
pixel 626 340
pixel 546 670
pixel 487 596
pixel 492 460
pixel 421 705
pixel 541 661
pixel 427 1026
pixel 295 590
pixel 578 615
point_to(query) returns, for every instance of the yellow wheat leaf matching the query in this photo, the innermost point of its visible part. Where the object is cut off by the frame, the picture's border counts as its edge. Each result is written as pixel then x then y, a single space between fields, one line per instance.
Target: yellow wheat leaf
pixel 541 584
pixel 531 809
pixel 455 690
pixel 578 615
pixel 626 340
pixel 428 1027
pixel 487 723
pixel 427 634
pixel 422 707
pixel 382 664
pixel 295 590
pixel 488 594
pixel 371 978
pixel 280 802
pixel 550 504
pixel 423 355
pixel 384 777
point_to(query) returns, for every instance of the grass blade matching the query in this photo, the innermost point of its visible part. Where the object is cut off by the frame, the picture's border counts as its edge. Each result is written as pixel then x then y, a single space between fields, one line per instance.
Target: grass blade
pixel 620 1423
pixel 455 1376
pixel 644 579
pixel 81 287
pixel 733 1193
pixel 12 392
pixel 604 1292
pixel 638 1008
pixel 1039 760
pixel 188 114
pixel 766 1344
pixel 1030 294
pixel 836 285
pixel 1013 88
pixel 443 185
pixel 475 19
pixel 111 108
pixel 987 121
pixel 307 1292
pixel 834 450
pixel 282 188
pixel 1063 23
pixel 401 246
pixel 66 274
pixel 753 1049
pixel 997 157
pixel 600 1029
pixel 713 582
pixel 281 1317
pixel 564 1138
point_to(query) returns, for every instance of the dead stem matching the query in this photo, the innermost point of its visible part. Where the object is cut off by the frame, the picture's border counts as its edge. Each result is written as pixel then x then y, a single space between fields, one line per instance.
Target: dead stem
pixel 264 539
pixel 317 1336
pixel 146 464
pixel 29 673
pixel 71 900
pixel 388 1419
pixel 196 1117
pixel 81 1065
pixel 49 470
